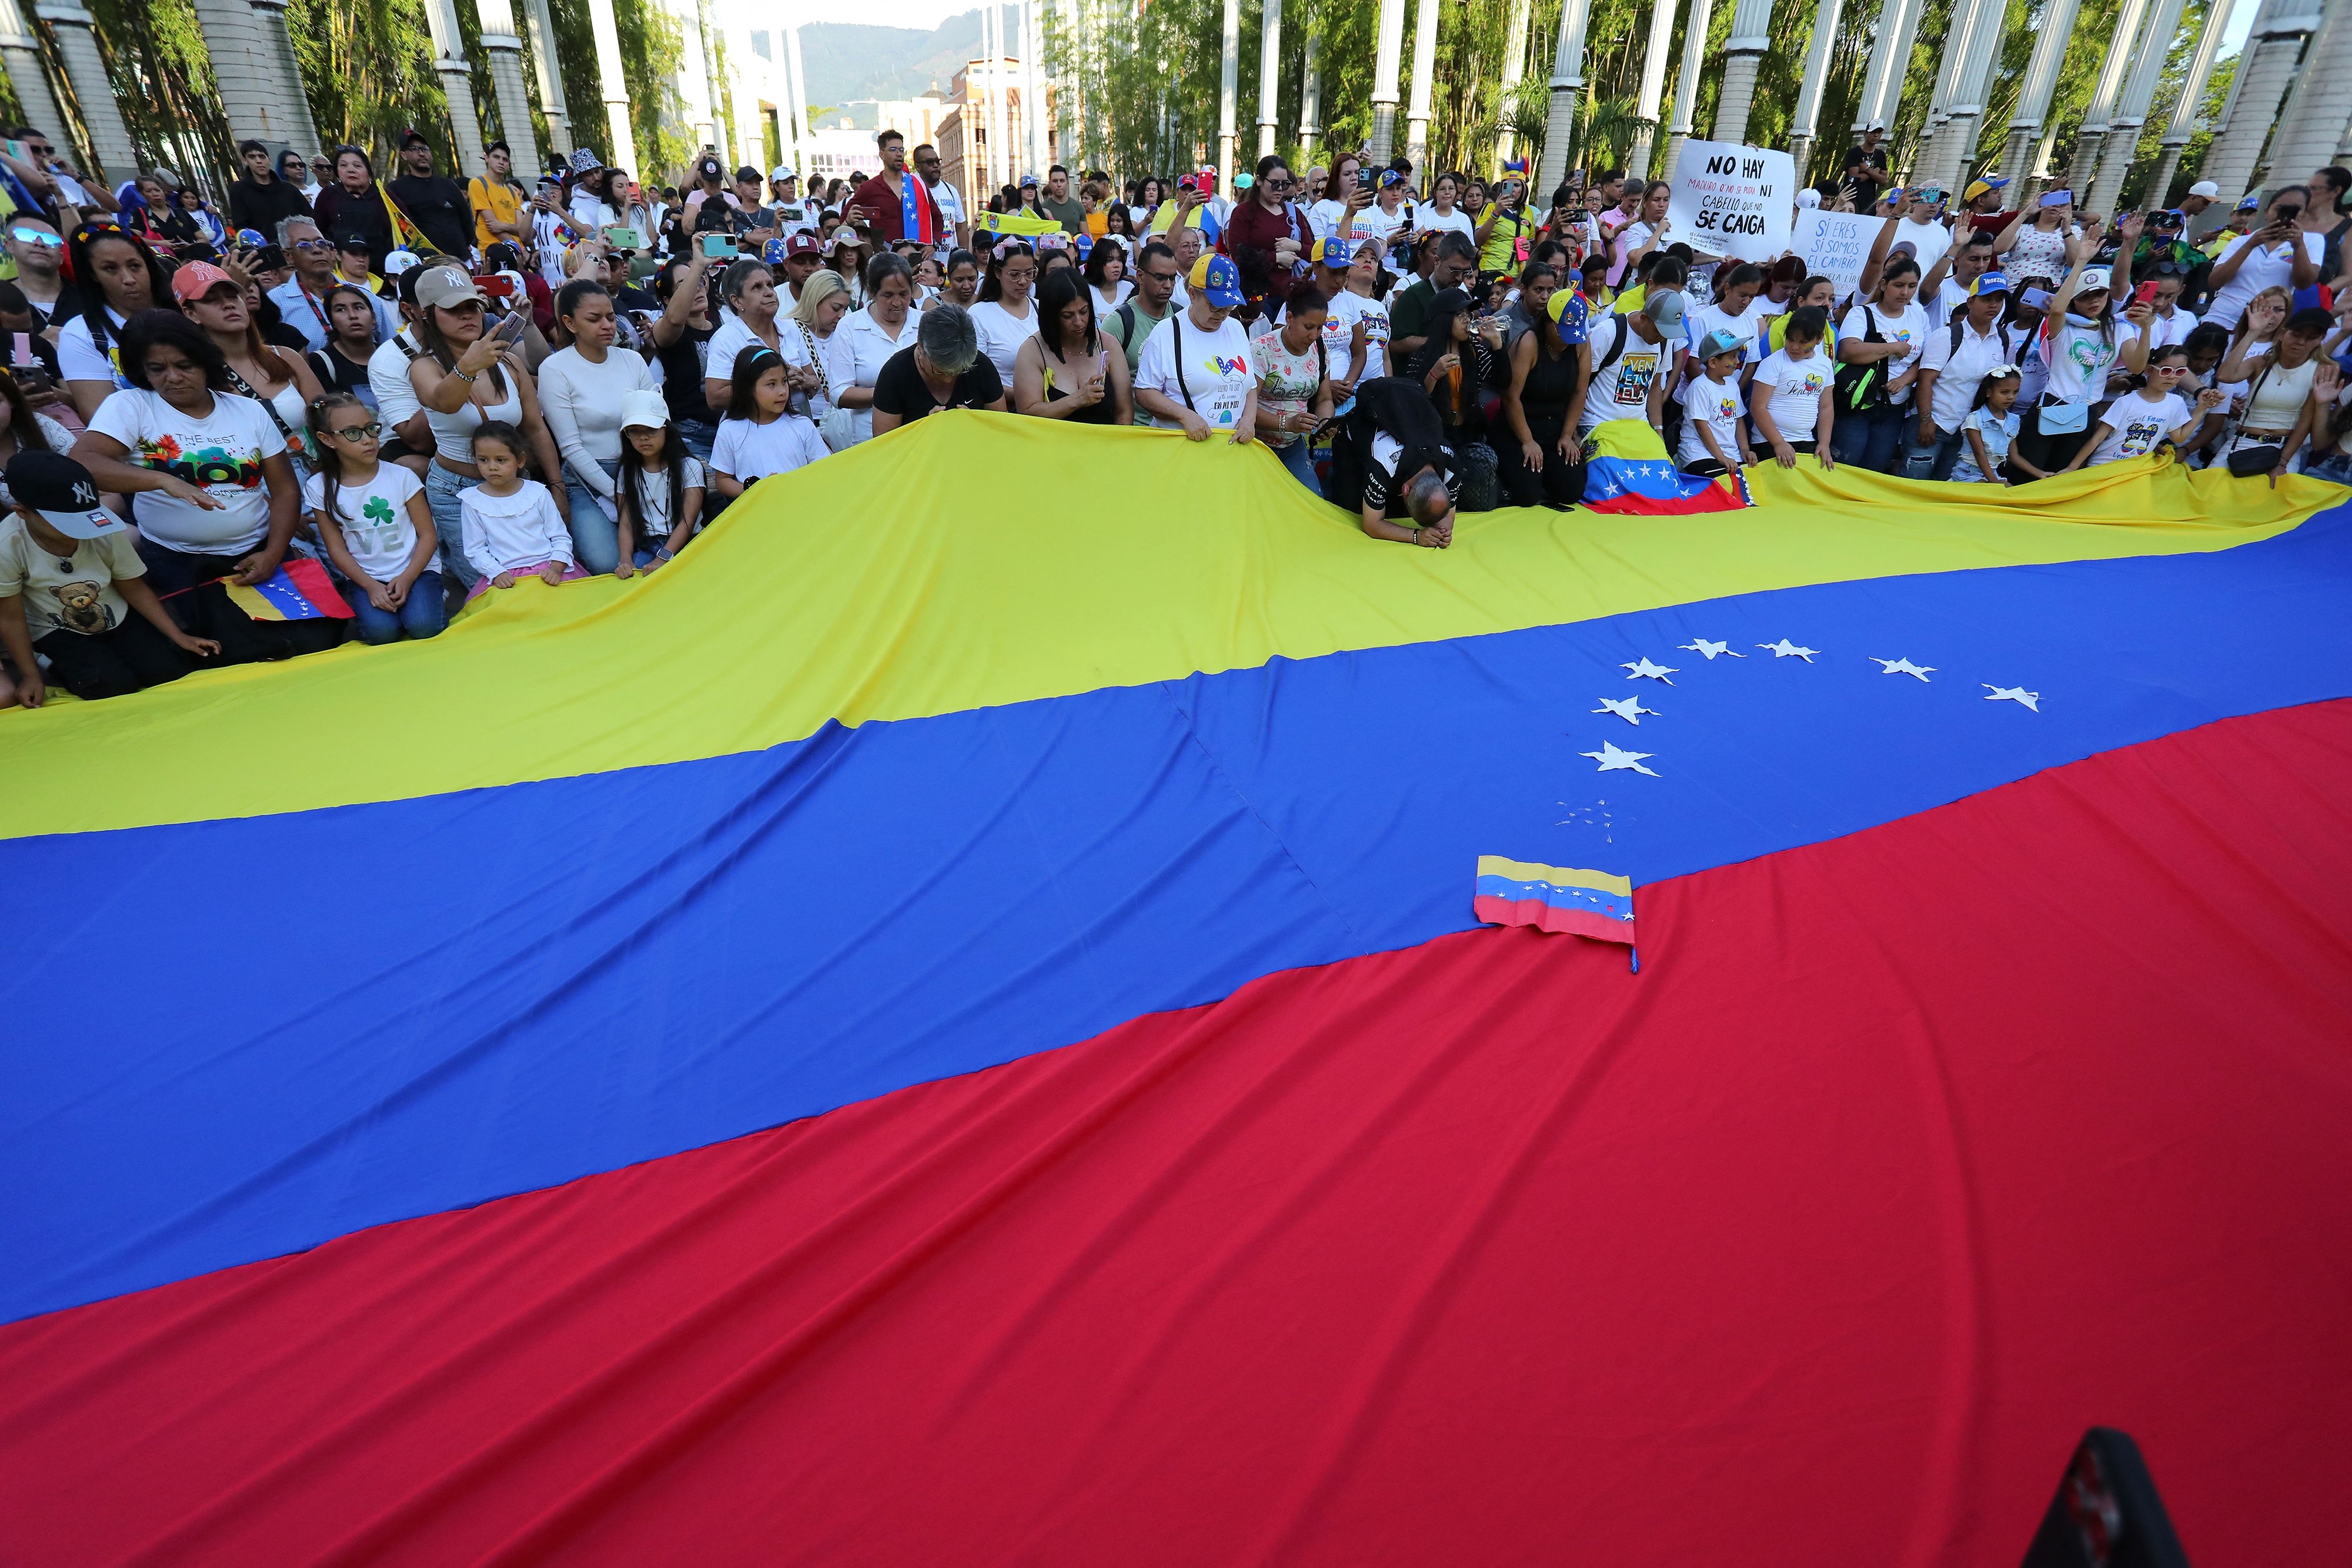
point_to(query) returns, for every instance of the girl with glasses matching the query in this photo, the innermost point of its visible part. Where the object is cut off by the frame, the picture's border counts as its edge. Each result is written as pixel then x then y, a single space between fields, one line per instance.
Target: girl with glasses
pixel 2142 420
pixel 377 529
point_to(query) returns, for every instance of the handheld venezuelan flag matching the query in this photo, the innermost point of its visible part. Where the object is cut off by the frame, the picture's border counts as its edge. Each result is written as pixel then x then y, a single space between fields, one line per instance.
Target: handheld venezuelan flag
pixel 1555 898
pixel 297 590
pixel 1655 487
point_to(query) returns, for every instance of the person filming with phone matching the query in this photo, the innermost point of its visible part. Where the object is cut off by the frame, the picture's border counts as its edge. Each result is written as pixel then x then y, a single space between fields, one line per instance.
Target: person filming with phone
pixel 2281 253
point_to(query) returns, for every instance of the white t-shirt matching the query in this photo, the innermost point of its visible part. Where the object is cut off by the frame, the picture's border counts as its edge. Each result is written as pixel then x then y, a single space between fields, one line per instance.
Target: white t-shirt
pixel 1907 327
pixel 654 521
pixel 61 595
pixel 1347 307
pixel 1960 371
pixel 1717 406
pixel 2163 331
pixel 377 529
pixel 2078 358
pixel 870 347
pixel 223 452
pixel 395 394
pixel 735 336
pixel 1621 390
pixel 746 450
pixel 507 533
pixel 582 404
pixel 1002 333
pixel 78 359
pixel 2269 266
pixel 1372 224
pixel 1428 220
pixel 1929 240
pixel 1794 388
pixel 1216 369
pixel 1325 218
pixel 1748 325
pixel 951 210
pixel 2138 427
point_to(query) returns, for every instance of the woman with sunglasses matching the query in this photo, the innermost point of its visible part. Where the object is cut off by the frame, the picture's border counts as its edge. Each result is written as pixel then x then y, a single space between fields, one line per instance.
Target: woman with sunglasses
pixel 116 276
pixel 1267 238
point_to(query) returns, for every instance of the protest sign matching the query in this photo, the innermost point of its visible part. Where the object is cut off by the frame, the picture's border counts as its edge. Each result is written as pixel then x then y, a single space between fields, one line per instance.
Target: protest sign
pixel 1730 200
pixel 1835 245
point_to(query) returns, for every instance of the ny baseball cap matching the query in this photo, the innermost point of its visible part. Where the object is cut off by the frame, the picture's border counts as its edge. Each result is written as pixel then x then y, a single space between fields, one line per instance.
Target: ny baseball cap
pixel 1219 281
pixel 446 288
pixel 196 279
pixel 62 491
pixel 2207 189
pixel 1722 341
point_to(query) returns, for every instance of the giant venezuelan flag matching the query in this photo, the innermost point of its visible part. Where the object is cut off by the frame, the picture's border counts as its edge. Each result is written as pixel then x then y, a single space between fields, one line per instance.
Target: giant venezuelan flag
pixel 902 1040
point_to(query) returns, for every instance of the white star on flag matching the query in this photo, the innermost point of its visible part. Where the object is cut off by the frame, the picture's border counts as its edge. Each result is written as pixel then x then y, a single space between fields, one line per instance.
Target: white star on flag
pixel 2012 695
pixel 1627 708
pixel 1645 670
pixel 1784 648
pixel 1612 760
pixel 1903 668
pixel 1707 651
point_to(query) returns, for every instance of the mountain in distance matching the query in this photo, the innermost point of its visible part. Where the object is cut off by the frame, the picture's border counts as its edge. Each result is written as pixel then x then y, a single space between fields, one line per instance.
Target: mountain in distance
pixel 850 61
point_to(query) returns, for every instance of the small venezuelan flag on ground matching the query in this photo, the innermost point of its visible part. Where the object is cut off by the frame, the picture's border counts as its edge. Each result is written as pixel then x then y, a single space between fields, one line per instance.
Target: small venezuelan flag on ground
pixel 299 590
pixel 1555 898
pixel 1654 487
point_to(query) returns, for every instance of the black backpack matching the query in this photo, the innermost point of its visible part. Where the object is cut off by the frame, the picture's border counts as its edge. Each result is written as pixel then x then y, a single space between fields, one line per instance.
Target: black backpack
pixel 1863 388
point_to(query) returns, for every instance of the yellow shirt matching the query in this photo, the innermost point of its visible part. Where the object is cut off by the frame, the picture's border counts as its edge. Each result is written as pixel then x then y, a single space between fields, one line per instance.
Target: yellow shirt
pixel 501 201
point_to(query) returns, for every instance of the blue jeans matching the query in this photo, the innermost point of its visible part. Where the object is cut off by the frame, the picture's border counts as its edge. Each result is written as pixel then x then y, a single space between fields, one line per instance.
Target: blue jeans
pixel 596 538
pixel 1935 459
pixel 1870 440
pixel 422 614
pixel 698 437
pixel 442 489
pixel 1300 460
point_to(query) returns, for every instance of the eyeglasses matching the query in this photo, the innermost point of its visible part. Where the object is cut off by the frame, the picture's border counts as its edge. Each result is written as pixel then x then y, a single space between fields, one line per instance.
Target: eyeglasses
pixel 39 149
pixel 367 432
pixel 35 236
pixel 314 245
pixel 2169 371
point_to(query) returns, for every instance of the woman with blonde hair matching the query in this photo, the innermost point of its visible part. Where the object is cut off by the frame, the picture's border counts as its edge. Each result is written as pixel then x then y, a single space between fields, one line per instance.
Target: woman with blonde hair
pixel 824 300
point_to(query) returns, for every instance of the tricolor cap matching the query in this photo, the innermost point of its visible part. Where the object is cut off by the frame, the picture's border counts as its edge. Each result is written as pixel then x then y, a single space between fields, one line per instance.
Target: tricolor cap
pixel 774 252
pixel 1722 341
pixel 62 491
pixel 1995 282
pixel 1332 251
pixel 1979 187
pixel 196 279
pixel 2207 189
pixel 1219 281
pixel 1390 177
pixel 1029 181
pixel 2252 202
pixel 253 237
pixel 2058 198
pixel 643 409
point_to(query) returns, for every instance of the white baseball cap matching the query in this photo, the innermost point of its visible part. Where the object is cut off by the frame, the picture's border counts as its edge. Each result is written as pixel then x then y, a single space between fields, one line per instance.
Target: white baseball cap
pixel 2207 189
pixel 643 410
pixel 782 172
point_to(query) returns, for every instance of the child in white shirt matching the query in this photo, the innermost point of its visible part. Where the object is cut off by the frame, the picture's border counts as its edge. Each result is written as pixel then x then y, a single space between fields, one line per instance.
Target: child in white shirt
pixel 1714 429
pixel 1789 393
pixel 2141 420
pixel 510 525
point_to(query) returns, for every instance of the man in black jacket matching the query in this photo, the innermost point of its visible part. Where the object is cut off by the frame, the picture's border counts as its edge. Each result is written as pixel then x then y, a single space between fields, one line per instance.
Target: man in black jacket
pixel 1390 460
pixel 259 198
pixel 435 203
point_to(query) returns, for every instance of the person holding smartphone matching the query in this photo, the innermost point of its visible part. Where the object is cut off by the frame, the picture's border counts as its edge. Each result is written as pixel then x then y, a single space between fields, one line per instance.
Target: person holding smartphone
pixel 2280 253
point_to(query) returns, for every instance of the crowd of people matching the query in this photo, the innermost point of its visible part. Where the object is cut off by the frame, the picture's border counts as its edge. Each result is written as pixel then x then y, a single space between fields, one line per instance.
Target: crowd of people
pixel 436 389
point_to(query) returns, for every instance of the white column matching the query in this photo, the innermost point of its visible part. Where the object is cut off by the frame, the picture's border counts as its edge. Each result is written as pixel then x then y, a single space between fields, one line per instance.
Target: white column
pixel 1965 112
pixel 1694 60
pixel 698 76
pixel 803 149
pixel 1947 65
pixel 1890 60
pixel 1653 85
pixel 1425 63
pixel 546 67
pixel 1310 97
pixel 2192 93
pixel 457 75
pixel 610 80
pixel 1229 76
pixel 1269 75
pixel 1036 118
pixel 253 62
pixel 2265 67
pixel 2131 110
pixel 2025 126
pixel 503 44
pixel 2318 119
pixel 1806 120
pixel 995 164
pixel 1385 61
pixel 109 143
pixel 2092 135
pixel 1515 62
pixel 1567 85
pixel 1750 40
pixel 20 53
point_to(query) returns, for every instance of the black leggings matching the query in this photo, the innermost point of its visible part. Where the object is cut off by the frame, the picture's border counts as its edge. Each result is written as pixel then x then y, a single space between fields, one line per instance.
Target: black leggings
pixel 131 658
pixel 1558 484
pixel 189 585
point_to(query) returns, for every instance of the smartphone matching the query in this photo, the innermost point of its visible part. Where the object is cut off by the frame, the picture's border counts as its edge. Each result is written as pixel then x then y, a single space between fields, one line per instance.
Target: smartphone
pixel 31 378
pixel 1364 179
pixel 2144 294
pixel 269 258
pixel 623 239
pixel 511 328
pixel 496 288
pixel 719 244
